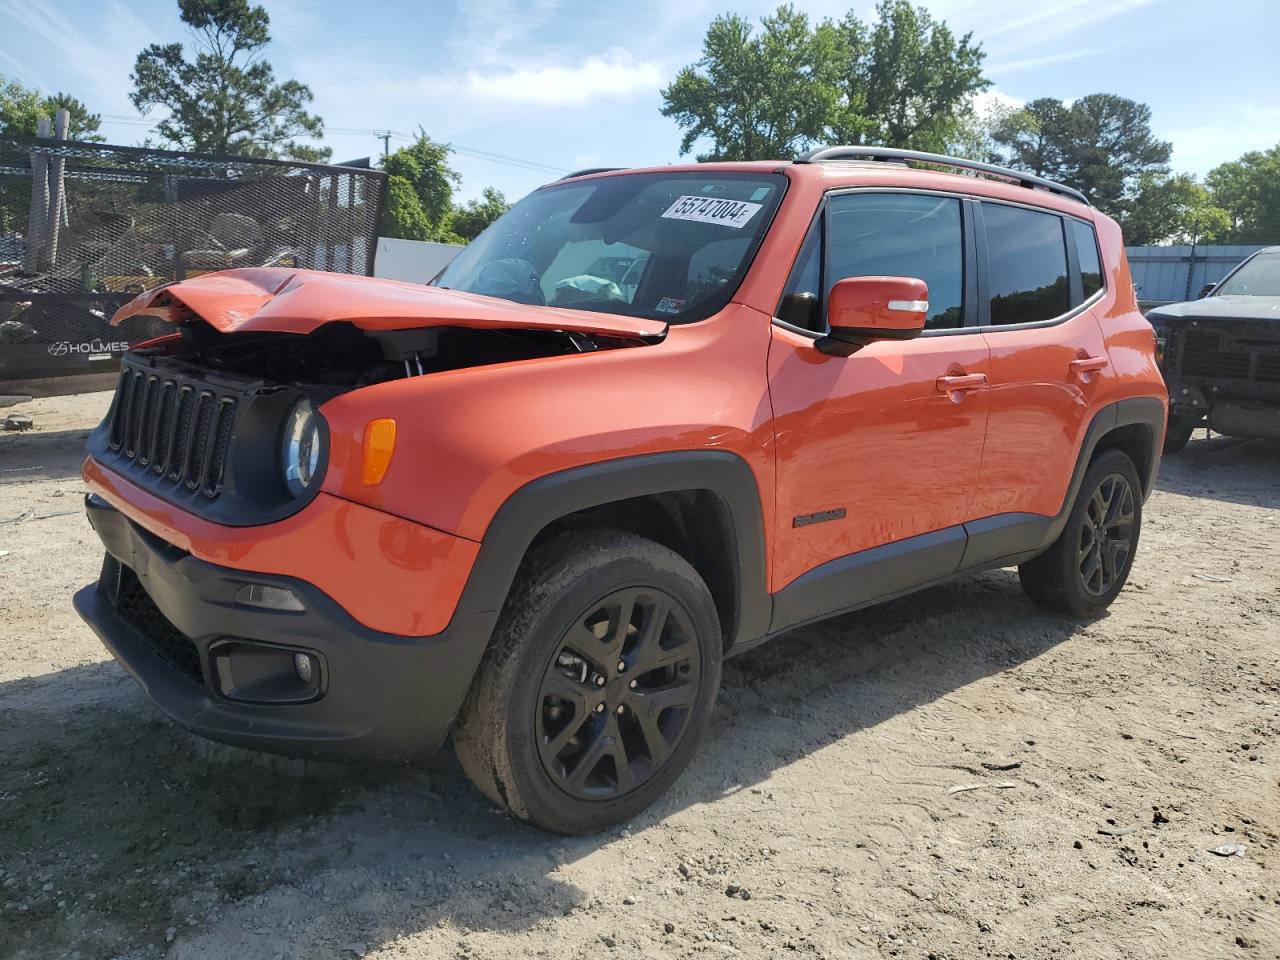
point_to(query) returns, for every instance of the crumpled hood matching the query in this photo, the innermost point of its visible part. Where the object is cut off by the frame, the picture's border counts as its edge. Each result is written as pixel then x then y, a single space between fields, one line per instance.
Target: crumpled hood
pixel 1220 308
pixel 283 300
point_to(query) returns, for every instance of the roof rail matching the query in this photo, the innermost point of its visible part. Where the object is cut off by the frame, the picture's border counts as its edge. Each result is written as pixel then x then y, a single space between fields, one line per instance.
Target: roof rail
pixel 892 154
pixel 588 171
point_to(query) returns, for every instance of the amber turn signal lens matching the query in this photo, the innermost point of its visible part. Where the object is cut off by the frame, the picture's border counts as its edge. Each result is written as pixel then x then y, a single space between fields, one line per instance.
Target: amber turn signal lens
pixel 379 444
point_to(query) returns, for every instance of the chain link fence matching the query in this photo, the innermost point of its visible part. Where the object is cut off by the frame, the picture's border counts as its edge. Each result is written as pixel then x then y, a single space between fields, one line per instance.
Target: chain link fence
pixel 104 223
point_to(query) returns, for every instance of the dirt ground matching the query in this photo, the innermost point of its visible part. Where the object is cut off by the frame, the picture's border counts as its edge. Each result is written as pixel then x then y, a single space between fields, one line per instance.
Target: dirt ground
pixel 1099 765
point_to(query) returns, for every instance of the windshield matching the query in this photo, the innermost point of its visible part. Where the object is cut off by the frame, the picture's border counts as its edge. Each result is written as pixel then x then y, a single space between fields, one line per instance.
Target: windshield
pixel 1259 277
pixel 663 246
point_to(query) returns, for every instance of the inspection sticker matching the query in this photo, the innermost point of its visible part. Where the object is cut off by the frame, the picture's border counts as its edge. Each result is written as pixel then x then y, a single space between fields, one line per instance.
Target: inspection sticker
pixel 728 213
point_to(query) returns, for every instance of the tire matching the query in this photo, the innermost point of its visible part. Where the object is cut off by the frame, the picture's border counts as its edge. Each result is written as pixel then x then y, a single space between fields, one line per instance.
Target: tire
pixel 554 728
pixel 1178 433
pixel 1080 574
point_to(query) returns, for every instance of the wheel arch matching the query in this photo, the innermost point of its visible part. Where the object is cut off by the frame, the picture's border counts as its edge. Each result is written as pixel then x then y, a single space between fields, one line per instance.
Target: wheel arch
pixel 704 504
pixel 1137 431
pixel 1135 426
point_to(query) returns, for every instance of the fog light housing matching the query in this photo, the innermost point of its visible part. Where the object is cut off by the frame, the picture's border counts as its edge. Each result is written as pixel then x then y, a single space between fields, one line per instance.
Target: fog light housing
pixel 304 664
pixel 249 671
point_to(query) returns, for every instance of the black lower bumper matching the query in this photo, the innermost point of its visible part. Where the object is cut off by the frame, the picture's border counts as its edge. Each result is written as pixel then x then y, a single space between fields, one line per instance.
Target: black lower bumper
pixel 379 696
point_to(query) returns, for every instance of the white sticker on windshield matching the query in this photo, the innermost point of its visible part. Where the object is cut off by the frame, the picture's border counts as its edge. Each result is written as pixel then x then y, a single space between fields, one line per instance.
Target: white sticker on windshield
pixel 728 213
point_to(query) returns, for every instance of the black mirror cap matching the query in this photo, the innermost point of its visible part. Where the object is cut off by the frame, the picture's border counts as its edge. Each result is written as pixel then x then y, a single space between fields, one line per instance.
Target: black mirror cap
pixel 801 310
pixel 1207 289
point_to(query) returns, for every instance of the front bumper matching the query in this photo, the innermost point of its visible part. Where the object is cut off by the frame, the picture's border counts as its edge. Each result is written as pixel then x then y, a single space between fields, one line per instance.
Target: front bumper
pixel 382 696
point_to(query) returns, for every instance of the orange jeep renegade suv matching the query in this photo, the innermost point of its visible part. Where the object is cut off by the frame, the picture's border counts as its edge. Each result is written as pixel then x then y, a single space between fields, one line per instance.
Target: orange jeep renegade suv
pixel 649 419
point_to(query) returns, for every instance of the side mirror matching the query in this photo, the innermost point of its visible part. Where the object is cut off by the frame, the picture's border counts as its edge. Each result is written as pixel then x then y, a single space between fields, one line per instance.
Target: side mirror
pixel 1207 289
pixel 862 310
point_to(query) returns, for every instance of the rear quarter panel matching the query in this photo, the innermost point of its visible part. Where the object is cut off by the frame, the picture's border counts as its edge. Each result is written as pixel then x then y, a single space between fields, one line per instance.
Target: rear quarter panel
pixel 1130 338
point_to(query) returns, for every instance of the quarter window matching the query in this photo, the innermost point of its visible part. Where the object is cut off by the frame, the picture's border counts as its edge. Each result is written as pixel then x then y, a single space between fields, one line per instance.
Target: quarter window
pixel 901 235
pixel 1087 254
pixel 1026 264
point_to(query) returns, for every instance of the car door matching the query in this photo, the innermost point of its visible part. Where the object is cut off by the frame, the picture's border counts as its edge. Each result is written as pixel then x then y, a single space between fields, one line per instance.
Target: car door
pixel 1049 363
pixel 883 446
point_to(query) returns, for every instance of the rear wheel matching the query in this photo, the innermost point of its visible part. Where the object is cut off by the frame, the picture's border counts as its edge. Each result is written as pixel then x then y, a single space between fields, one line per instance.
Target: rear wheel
pixel 598 684
pixel 1086 567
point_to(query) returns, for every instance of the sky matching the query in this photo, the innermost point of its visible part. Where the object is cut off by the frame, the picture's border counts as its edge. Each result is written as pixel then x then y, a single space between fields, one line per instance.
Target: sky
pixel 526 90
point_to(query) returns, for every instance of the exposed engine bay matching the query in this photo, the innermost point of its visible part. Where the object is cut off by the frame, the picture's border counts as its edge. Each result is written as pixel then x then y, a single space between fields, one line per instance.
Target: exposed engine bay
pixel 338 357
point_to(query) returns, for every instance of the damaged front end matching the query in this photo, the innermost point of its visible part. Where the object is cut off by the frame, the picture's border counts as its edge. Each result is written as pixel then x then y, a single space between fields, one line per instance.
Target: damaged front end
pixel 206 419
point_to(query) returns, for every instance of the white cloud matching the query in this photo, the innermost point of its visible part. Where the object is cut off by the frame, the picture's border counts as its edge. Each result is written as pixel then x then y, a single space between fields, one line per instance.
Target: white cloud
pixel 458 101
pixel 1053 21
pixel 993 100
pixel 1032 62
pixel 614 74
pixel 485 31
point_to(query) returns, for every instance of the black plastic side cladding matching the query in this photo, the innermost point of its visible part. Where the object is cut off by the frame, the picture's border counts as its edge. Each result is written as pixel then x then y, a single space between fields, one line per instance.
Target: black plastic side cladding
pixel 541 502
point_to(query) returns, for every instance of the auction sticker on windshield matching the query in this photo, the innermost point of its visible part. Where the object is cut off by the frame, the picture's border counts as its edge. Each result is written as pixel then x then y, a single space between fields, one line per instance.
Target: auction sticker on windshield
pixel 728 213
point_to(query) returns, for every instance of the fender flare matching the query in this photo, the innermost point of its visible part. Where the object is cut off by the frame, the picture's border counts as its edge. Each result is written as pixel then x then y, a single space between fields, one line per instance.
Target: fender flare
pixel 542 501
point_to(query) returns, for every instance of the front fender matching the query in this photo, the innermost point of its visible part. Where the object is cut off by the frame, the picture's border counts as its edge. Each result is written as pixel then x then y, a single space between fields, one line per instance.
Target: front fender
pixel 468 439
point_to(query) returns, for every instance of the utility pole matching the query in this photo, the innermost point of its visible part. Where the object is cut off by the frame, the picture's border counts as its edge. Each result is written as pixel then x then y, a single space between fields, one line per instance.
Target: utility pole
pixel 385 137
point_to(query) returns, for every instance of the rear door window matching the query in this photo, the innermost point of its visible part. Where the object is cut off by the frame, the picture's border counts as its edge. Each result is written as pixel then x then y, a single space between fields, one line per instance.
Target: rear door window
pixel 1087 255
pixel 1026 264
pixel 900 235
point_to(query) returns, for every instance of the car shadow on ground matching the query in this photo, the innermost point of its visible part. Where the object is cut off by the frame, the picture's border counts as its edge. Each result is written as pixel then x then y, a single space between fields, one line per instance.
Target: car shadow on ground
pixel 1225 469
pixel 55 455
pixel 119 828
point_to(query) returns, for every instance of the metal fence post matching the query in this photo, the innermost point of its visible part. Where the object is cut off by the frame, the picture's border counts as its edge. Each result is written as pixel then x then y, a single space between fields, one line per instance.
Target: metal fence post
pixel 38 213
pixel 57 194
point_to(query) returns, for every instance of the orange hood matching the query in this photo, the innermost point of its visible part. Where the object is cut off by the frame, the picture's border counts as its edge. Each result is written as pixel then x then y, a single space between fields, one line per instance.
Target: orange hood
pixel 283 300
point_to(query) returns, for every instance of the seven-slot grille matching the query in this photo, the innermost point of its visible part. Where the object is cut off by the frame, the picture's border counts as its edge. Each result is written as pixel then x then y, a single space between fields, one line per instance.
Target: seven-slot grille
pixel 178 428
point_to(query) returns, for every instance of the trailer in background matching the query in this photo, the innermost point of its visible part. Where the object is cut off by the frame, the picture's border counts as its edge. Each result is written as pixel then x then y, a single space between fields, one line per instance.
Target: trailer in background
pixel 85 227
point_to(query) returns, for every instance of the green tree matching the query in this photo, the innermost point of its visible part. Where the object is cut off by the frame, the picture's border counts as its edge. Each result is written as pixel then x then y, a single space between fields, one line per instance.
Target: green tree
pixel 754 96
pixel 1249 190
pixel 469 220
pixel 1173 209
pixel 907 81
pixel 1099 144
pixel 420 189
pixel 974 137
pixel 225 99
pixel 21 108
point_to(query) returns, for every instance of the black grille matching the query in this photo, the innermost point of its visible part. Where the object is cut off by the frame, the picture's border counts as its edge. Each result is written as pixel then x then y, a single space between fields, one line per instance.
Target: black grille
pixel 1268 369
pixel 170 644
pixel 1202 357
pixel 179 429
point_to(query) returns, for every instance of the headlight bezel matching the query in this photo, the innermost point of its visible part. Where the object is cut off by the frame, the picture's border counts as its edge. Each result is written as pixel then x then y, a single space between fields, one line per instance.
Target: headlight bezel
pixel 302 449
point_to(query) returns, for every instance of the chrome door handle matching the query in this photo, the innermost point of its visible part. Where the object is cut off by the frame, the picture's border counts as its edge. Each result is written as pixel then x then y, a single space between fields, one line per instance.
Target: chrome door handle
pixel 968 381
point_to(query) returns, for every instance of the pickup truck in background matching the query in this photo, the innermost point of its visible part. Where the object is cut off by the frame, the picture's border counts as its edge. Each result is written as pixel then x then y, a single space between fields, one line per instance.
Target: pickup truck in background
pixel 1220 355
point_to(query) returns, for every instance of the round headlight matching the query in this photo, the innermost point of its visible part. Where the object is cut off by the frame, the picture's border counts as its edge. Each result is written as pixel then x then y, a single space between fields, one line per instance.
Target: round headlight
pixel 300 451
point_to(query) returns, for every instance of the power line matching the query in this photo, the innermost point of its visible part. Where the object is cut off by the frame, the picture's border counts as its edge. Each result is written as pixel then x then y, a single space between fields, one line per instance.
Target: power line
pixel 474 152
pixel 534 166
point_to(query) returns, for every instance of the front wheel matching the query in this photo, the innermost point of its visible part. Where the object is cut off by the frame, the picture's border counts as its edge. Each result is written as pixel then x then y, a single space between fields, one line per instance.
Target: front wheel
pixel 1086 567
pixel 597 686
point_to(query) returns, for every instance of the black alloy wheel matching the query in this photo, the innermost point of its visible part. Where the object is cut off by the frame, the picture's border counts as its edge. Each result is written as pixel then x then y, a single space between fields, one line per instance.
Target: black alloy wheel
pixel 598 684
pixel 618 695
pixel 1106 534
pixel 1086 567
